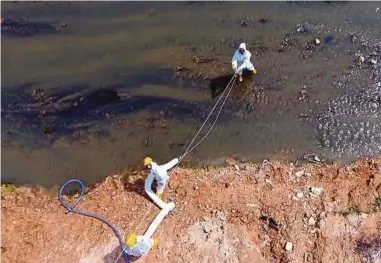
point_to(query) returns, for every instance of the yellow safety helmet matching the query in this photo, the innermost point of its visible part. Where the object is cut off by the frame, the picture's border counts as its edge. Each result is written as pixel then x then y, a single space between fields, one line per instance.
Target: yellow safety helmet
pixel 147 161
pixel 131 240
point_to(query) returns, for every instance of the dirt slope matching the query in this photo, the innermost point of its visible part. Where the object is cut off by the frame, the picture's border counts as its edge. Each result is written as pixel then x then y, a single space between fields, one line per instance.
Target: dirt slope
pixel 239 213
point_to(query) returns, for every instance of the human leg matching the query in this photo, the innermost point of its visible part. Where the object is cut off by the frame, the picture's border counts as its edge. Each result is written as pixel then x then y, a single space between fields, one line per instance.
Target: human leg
pixel 160 187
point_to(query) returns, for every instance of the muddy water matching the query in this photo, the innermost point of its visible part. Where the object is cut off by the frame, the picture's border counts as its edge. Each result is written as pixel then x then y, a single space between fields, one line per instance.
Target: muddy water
pixel 88 89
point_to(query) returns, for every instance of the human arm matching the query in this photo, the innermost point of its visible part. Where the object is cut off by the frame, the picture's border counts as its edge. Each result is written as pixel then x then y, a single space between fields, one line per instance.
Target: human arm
pixel 170 164
pixel 235 61
pixel 247 56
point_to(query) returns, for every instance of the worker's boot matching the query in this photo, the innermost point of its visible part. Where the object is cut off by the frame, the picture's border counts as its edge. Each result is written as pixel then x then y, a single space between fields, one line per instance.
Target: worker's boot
pixel 155 242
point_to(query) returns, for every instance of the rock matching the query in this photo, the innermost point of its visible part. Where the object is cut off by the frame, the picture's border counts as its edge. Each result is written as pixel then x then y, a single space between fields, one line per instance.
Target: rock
pixel 374 106
pixel 308 174
pixel 299 195
pixel 263 19
pixel 373 61
pixel 353 38
pixel 236 167
pixel 317 41
pixel 207 228
pixel 289 247
pixel 311 221
pixel 315 190
pixel 299 174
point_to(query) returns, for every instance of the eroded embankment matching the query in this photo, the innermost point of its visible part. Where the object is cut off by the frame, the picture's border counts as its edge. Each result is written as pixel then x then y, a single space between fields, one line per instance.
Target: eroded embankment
pixel 238 213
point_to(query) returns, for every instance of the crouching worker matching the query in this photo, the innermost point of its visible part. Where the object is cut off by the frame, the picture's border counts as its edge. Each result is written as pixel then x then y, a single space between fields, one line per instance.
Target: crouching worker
pixel 160 174
pixel 241 61
pixel 139 246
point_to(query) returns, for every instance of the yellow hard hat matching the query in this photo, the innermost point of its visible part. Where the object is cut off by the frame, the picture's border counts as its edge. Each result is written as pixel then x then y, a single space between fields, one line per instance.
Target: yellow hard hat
pixel 131 240
pixel 147 161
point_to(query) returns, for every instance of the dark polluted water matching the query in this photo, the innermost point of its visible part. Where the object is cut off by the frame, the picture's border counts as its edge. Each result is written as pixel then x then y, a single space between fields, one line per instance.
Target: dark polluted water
pixel 89 89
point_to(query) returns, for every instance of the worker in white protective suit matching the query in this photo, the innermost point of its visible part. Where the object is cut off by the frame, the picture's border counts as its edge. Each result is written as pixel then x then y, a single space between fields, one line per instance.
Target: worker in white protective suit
pixel 139 246
pixel 241 61
pixel 159 173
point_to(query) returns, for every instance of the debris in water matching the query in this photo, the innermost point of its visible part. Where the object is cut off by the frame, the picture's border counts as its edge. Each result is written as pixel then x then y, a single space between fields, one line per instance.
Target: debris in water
pixel 373 61
pixel 263 19
pixel 361 59
pixel 353 38
pixel 244 23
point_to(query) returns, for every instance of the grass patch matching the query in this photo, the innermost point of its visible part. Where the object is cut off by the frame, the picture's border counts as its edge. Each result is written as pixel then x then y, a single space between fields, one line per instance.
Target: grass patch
pixel 377 202
pixel 7 188
pixel 351 210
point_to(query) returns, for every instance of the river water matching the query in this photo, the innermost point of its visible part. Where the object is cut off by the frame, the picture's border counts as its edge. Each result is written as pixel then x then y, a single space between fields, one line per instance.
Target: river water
pixel 94 87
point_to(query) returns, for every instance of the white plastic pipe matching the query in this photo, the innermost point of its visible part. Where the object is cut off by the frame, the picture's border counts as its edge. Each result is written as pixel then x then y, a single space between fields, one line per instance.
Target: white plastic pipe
pixel 151 194
pixel 156 222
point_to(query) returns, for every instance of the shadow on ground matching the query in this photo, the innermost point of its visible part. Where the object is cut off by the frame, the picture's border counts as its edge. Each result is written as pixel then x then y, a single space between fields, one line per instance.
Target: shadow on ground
pixel 137 187
pixel 116 257
pixel 241 89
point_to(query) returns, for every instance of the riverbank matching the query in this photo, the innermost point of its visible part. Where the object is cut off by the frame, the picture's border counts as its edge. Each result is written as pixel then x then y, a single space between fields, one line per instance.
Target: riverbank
pixel 236 213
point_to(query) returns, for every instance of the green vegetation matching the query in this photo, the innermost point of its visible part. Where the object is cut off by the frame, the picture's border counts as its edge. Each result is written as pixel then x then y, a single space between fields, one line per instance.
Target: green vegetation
pixel 352 210
pixel 377 202
pixel 8 188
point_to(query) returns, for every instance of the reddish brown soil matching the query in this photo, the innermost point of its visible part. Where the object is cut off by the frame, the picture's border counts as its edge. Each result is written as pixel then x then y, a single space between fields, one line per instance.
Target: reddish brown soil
pixel 216 218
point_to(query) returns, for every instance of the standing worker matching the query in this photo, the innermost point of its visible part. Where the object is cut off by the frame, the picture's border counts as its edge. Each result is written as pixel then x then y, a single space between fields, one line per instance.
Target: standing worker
pixel 241 61
pixel 159 173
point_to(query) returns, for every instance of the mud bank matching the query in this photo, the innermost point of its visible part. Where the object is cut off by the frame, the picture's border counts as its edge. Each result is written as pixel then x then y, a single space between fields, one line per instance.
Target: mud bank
pixel 237 213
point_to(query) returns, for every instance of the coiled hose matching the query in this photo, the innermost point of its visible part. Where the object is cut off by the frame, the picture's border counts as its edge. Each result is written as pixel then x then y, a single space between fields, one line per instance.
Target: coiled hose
pixel 71 208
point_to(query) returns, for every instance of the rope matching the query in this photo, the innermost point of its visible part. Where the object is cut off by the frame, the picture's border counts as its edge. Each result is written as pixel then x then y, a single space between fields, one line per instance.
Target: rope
pixel 71 208
pixel 189 149
pixel 215 120
pixel 231 82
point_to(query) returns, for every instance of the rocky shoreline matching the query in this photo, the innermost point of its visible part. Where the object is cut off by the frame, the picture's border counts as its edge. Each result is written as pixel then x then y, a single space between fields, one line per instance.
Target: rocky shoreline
pixel 268 212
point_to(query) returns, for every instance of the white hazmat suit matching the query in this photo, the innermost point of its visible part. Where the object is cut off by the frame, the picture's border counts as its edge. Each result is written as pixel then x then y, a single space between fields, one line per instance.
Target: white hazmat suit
pixel 242 61
pixel 141 248
pixel 160 174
